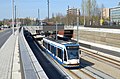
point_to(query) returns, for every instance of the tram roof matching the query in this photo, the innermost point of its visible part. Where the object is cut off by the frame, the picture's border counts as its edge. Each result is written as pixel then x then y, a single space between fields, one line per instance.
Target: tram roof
pixel 62 41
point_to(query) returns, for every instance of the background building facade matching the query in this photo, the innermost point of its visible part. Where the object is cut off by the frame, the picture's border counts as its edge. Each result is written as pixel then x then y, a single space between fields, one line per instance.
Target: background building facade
pixel 72 14
pixel 106 12
pixel 73 11
pixel 115 14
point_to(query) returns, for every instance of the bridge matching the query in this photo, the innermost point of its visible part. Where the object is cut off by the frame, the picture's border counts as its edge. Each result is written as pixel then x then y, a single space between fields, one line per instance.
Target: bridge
pixel 100 54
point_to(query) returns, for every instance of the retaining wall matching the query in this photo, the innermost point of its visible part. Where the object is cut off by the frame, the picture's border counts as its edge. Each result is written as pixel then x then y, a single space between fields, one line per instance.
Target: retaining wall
pixel 110 37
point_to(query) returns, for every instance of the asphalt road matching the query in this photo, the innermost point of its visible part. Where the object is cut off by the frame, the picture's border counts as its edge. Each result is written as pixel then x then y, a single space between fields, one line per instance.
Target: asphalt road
pixel 4 36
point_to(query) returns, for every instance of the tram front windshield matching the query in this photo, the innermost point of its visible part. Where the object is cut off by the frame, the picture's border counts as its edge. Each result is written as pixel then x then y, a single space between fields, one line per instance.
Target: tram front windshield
pixel 73 52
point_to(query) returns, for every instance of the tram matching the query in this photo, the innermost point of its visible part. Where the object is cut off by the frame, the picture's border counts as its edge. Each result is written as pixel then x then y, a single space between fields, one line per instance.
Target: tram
pixel 65 53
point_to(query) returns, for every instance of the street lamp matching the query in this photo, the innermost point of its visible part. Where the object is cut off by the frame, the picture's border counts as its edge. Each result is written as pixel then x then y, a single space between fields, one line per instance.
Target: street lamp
pixel 77 24
pixel 13 15
pixel 84 12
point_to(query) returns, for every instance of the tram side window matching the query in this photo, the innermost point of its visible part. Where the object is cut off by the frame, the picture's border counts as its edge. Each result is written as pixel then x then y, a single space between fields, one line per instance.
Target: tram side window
pixel 65 56
pixel 60 53
pixel 48 46
pixel 45 44
pixel 52 49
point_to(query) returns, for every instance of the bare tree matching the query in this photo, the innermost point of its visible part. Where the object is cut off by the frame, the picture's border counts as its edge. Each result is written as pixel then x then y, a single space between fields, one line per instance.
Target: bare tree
pixel 83 9
pixel 94 6
pixel 102 7
pixel 101 20
pixel 90 11
pixel 97 16
pixel 93 11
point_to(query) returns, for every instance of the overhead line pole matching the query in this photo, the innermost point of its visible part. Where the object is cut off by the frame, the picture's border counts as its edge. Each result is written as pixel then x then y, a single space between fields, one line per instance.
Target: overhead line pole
pixel 68 15
pixel 38 17
pixel 38 14
pixel 84 13
pixel 48 9
pixel 56 30
pixel 15 17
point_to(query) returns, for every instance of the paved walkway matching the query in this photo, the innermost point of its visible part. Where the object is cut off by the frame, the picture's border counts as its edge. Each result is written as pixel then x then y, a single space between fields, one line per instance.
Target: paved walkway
pixel 8 55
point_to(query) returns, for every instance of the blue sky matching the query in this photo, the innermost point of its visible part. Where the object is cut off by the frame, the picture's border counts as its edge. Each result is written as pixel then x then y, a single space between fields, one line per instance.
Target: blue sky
pixel 28 8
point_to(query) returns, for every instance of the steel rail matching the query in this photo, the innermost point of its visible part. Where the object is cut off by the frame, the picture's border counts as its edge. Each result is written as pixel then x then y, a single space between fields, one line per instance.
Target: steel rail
pixel 104 58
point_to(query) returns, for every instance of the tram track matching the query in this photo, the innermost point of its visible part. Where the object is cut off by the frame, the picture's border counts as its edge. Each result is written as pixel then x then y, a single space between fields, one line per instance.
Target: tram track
pixel 110 61
pixel 95 73
pixel 81 73
pixel 70 72
pixel 86 74
pixel 74 75
pixel 48 66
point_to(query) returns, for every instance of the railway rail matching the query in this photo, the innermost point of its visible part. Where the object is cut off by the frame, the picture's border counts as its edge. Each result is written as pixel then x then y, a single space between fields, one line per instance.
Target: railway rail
pixel 81 73
pixel 73 74
pixel 71 71
pixel 110 61
pixel 88 72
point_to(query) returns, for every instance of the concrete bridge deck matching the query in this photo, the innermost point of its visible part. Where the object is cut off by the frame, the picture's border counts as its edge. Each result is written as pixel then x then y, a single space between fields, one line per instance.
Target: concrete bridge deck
pixel 9 59
pixel 17 60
